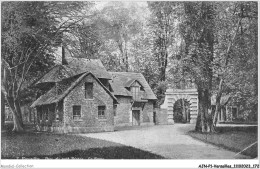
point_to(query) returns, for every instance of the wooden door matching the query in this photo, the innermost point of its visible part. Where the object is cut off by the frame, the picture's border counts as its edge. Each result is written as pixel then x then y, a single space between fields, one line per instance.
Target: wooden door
pixel 136 117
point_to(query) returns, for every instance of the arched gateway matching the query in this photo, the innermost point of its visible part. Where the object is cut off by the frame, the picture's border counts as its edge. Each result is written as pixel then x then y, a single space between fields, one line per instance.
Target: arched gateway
pixel 172 95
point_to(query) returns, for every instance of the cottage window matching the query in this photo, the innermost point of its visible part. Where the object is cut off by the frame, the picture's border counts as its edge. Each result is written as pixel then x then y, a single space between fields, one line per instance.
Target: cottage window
pixel 88 90
pixel 76 112
pixel 101 112
pixel 136 92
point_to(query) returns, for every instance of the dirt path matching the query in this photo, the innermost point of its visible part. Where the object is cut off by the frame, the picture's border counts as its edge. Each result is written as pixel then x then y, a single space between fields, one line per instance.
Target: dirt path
pixel 169 141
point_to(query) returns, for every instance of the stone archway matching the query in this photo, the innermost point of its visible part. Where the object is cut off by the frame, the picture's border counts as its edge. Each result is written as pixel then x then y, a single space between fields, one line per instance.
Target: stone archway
pixel 181 111
pixel 172 95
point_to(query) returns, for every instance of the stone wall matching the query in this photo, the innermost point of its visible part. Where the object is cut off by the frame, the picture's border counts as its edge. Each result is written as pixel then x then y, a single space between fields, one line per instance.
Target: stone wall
pixel 70 129
pixel 89 121
pixel 123 112
pixel 148 112
pixel 161 116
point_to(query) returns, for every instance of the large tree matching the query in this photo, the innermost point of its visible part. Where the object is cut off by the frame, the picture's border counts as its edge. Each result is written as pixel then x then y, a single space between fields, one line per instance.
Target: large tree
pixel 29 32
pixel 218 53
pixel 197 29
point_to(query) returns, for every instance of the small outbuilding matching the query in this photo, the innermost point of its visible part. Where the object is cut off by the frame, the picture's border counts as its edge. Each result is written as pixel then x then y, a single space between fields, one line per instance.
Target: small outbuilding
pixel 76 97
pixel 135 97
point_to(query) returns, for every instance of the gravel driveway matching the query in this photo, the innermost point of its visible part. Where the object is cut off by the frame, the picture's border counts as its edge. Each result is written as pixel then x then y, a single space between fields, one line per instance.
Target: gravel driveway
pixel 169 141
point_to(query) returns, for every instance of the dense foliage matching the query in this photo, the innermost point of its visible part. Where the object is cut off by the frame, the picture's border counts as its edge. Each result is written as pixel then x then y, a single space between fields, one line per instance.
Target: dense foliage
pixel 30 31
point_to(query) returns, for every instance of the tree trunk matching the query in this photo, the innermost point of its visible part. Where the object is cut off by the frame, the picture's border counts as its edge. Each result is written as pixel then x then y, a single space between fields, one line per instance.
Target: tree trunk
pixel 126 58
pixel 203 120
pixel 120 46
pixel 200 119
pixel 18 110
pixel 2 110
pixel 162 74
pixel 17 115
pixel 218 106
pixel 198 122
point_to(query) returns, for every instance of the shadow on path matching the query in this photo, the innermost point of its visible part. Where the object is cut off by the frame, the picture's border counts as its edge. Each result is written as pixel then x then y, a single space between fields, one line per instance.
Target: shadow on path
pixel 124 152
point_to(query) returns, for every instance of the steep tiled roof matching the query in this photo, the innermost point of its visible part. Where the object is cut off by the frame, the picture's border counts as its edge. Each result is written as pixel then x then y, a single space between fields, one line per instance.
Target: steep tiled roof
pixel 120 80
pixel 75 66
pixel 118 87
pixel 69 84
pixel 95 66
pixel 56 74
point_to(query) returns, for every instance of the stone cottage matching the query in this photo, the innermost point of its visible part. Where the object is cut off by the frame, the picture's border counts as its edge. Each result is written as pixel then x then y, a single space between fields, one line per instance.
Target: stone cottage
pixel 135 97
pixel 75 97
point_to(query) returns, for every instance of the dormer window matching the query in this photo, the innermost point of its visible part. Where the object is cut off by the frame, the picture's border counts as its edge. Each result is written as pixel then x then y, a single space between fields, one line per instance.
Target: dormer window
pixel 135 89
pixel 136 92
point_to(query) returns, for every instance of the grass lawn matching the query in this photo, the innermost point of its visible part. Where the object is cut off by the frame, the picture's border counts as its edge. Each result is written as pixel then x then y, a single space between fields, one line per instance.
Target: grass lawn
pixel 235 139
pixel 49 145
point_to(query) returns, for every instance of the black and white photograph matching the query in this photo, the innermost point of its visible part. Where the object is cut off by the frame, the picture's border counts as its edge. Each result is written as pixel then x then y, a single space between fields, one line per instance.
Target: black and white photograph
pixel 97 81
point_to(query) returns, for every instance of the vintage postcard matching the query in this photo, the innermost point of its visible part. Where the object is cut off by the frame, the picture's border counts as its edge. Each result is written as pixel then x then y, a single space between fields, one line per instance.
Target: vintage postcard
pixel 93 84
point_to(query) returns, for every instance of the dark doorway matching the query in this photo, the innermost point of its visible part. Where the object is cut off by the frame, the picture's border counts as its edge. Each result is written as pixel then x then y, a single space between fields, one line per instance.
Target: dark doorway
pixel 181 111
pixel 136 117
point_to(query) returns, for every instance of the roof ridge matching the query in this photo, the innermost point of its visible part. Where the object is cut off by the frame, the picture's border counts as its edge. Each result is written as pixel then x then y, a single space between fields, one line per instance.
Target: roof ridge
pixel 125 72
pixel 71 58
pixel 38 79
